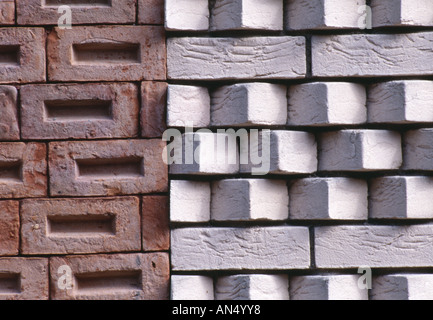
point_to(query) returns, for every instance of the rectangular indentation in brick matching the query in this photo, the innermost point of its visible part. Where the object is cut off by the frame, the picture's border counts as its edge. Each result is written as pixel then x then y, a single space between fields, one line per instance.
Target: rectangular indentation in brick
pixel 11 171
pixel 77 3
pixel 103 282
pixel 106 53
pixel 81 225
pixel 10 55
pixel 10 283
pixel 78 110
pixel 110 168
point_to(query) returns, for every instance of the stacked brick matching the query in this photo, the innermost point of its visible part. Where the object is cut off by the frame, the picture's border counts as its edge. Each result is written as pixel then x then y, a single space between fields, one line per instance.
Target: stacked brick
pixel 347 115
pixel 83 189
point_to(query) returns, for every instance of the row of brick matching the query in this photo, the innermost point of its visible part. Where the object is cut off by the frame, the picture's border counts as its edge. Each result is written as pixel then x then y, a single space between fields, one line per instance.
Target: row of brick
pixel 91 225
pixel 309 104
pixel 46 12
pixel 140 276
pixel 217 15
pixel 82 111
pixel 320 287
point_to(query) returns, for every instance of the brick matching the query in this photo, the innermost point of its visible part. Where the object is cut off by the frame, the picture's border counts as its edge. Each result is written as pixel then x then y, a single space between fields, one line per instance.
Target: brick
pixel 402 287
pixel 24 279
pixel 323 14
pixel 252 287
pixel 329 198
pixel 250 58
pixel 188 106
pixel 153 113
pixel 66 226
pixel 402 13
pixel 9 228
pixel 360 150
pixel 418 149
pixel 151 11
pixel 42 12
pixel 400 102
pixel 375 246
pixel 249 199
pixel 369 55
pixel 115 167
pixel 247 14
pixel 23 170
pixel 327 103
pixel 7 12
pixel 257 248
pixel 190 201
pixel 243 105
pixel 191 288
pixel 187 15
pixel 9 127
pixel 401 198
pixel 77 111
pixel 333 287
pixel 113 277
pixel 155 223
pixel 22 55
pixel 113 53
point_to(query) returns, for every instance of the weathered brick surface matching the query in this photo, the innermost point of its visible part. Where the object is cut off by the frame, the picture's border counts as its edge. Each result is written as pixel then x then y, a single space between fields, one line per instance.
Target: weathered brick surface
pixel 402 287
pixel 153 110
pixel 418 149
pixel 155 223
pixel 9 128
pixel 7 12
pixel 186 14
pixel 192 288
pixel 401 13
pixel 9 228
pixel 151 11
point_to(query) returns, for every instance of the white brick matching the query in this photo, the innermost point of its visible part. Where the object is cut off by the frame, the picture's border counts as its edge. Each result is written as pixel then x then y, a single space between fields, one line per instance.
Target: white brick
pixel 400 102
pixel 402 13
pixel 236 58
pixel 369 55
pixel 188 105
pixel 249 104
pixel 332 103
pixel 187 15
pixel 189 201
pixel 418 148
pixel 329 198
pixel 334 287
pixel 191 288
pixel 249 199
pixel 374 246
pixel 360 150
pixel 247 14
pixel 323 14
pixel 252 287
pixel 265 248
pixel 401 198
pixel 403 287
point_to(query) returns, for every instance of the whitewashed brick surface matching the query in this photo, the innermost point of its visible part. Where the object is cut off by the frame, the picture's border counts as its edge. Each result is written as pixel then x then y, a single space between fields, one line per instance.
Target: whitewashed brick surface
pixel 418 149
pixel 402 13
pixel 189 201
pixel 187 15
pixel 192 288
pixel 402 287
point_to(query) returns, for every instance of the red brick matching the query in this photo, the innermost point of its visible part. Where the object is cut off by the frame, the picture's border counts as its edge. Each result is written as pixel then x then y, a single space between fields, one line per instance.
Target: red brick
pixel 59 226
pixel 9 128
pixel 40 12
pixel 9 228
pixel 153 110
pixel 113 277
pixel 117 53
pixel 7 12
pixel 155 222
pixel 78 111
pixel 23 279
pixel 151 11
pixel 96 168
pixel 22 55
pixel 23 170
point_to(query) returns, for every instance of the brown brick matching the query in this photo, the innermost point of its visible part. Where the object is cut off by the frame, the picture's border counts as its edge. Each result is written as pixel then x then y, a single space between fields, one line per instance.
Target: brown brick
pixel 95 168
pixel 113 277
pixel 23 279
pixel 7 12
pixel 153 110
pixel 22 55
pixel 155 221
pixel 9 228
pixel 118 53
pixel 23 170
pixel 79 111
pixel 9 129
pixel 40 12
pixel 151 11
pixel 59 226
